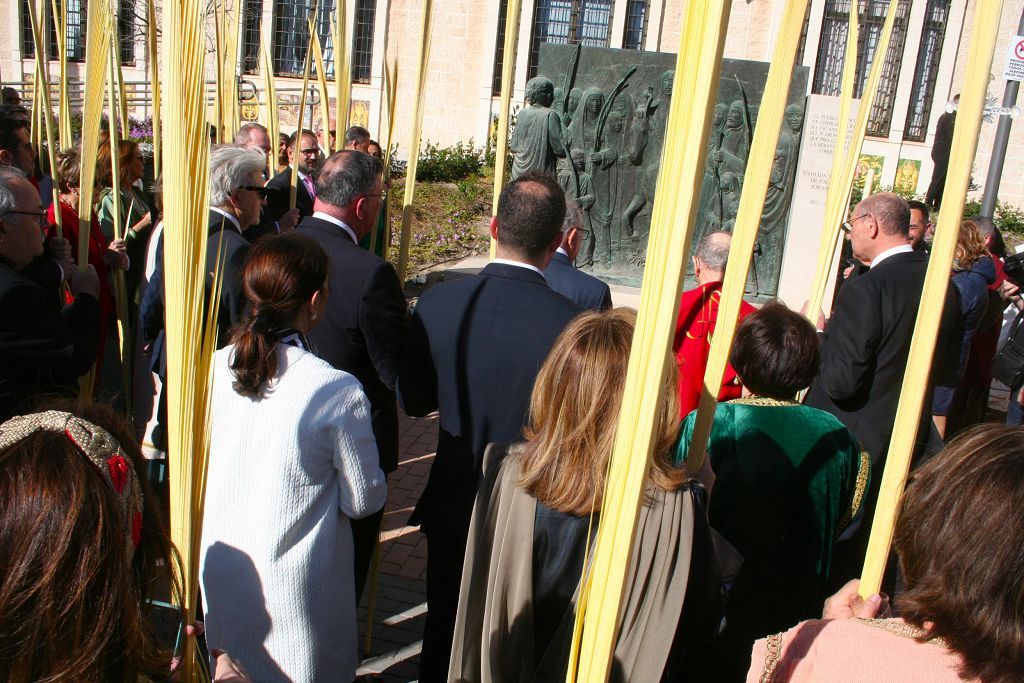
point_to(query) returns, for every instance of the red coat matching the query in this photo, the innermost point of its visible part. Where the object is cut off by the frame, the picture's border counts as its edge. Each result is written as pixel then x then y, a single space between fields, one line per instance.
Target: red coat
pixel 698 312
pixel 97 247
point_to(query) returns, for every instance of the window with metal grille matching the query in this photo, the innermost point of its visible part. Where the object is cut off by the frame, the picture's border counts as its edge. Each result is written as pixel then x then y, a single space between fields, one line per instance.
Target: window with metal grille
pixel 126 31
pixel 75 29
pixel 636 24
pixel 28 46
pixel 252 16
pixel 362 41
pixel 291 35
pixel 575 22
pixel 499 49
pixel 922 92
pixel 832 45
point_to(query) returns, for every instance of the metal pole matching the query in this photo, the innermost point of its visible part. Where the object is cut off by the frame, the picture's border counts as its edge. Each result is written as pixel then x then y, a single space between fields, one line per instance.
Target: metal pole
pixel 995 167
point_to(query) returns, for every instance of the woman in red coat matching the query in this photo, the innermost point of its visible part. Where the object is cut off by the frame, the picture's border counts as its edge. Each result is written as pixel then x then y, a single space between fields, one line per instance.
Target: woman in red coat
pixel 103 255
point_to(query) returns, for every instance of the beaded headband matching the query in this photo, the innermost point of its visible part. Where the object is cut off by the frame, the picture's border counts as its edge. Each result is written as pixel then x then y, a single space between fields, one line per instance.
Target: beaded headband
pixel 99 448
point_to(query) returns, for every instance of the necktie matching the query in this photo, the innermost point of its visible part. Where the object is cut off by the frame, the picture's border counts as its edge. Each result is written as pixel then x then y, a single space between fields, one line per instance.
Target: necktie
pixel 310 187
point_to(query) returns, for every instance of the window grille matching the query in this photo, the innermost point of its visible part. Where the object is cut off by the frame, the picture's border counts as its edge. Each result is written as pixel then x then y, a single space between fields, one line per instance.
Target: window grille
pixel 126 31
pixel 76 18
pixel 499 49
pixel 252 17
pixel 362 41
pixel 28 46
pixel 930 50
pixel 636 25
pixel 574 22
pixel 291 35
pixel 832 45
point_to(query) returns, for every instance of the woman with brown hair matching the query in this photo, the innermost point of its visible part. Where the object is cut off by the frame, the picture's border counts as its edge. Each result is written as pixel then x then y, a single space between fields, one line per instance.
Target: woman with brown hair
pixel 537 513
pixel 960 545
pixel 136 218
pixel 83 548
pixel 788 480
pixel 973 272
pixel 292 460
pixel 104 254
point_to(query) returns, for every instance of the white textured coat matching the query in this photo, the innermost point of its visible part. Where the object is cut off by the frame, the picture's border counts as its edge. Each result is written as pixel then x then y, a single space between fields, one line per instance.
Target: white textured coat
pixel 286 474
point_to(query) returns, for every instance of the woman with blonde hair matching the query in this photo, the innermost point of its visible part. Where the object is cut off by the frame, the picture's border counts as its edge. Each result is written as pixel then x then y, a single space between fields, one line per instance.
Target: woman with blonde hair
pixel 536 516
pixel 973 272
pixel 136 219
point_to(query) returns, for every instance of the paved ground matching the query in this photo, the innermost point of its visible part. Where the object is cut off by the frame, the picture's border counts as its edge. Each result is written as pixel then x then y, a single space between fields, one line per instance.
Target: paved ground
pixel 400 605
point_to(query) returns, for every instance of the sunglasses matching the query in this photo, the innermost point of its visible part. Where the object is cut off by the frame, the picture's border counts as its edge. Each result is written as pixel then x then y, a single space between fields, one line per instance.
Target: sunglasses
pixel 848 225
pixel 258 189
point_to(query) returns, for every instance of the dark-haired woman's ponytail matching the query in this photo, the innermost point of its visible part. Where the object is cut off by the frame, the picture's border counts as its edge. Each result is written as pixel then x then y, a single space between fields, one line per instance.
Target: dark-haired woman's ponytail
pixel 254 362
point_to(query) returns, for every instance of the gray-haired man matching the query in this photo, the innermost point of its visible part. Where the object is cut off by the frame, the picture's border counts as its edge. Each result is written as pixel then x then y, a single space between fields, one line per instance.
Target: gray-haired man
pixel 364 328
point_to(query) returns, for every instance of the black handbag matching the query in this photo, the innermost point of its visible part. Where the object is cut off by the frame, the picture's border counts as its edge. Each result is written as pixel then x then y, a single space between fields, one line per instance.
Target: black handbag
pixel 1008 364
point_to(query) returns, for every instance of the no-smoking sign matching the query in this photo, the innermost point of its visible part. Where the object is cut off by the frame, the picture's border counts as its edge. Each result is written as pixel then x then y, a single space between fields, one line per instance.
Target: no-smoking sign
pixel 1015 60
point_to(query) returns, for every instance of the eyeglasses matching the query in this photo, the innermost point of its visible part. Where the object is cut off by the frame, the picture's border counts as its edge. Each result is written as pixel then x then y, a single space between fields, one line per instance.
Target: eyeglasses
pixel 40 215
pixel 310 152
pixel 258 189
pixel 848 225
pixel 383 195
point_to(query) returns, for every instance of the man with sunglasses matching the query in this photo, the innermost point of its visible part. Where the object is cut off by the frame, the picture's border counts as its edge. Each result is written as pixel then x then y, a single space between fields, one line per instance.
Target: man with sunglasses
pixel 44 347
pixel 866 344
pixel 307 163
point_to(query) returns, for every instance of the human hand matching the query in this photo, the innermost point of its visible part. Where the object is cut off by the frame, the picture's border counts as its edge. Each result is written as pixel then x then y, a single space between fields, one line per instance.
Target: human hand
pixel 1008 290
pixel 116 255
pixel 1020 397
pixel 60 250
pixel 85 281
pixel 144 222
pixel 847 604
pixel 288 221
pixel 227 670
pixel 820 324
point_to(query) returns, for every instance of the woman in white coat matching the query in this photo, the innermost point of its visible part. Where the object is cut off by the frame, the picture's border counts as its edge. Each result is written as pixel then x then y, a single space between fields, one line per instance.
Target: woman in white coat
pixel 292 459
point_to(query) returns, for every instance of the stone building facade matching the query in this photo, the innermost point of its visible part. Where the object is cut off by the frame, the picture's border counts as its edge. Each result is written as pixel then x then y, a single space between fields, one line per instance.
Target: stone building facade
pixel 925 68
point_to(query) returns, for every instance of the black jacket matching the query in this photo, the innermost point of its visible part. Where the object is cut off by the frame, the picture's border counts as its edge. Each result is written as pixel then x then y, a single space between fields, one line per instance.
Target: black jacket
pixel 280 192
pixel 364 330
pixel 43 347
pixel 865 348
pixel 475 349
pixel 586 290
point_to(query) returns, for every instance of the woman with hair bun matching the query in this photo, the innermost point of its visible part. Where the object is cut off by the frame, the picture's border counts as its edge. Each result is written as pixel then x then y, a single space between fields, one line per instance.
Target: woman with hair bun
pixel 292 459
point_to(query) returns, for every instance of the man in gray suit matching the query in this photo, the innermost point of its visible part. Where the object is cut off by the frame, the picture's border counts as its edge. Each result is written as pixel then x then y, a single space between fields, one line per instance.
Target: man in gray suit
pixel 561 274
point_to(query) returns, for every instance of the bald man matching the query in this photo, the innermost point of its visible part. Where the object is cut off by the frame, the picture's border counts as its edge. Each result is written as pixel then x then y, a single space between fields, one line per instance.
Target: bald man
pixel 866 344
pixel 698 313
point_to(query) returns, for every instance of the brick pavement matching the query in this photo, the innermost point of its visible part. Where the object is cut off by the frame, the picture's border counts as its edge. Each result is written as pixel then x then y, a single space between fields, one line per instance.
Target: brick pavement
pixel 400 606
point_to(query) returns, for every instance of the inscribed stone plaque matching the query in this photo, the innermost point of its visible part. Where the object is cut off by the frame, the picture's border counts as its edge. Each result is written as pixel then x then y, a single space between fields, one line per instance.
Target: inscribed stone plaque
pixel 821 126
pixel 614 105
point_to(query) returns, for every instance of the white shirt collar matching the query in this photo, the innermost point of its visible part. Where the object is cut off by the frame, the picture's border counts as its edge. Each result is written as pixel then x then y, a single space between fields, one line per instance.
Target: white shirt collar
pixel 234 221
pixel 337 221
pixel 901 249
pixel 520 264
pixel 563 252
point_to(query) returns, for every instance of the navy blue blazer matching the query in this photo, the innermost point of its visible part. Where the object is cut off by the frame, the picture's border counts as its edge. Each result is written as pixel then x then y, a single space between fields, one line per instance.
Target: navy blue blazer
pixel 476 346
pixel 586 290
pixel 365 327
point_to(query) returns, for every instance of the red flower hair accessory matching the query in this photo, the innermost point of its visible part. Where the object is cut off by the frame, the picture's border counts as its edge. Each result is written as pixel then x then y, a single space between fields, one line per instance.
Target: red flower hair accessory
pixel 100 449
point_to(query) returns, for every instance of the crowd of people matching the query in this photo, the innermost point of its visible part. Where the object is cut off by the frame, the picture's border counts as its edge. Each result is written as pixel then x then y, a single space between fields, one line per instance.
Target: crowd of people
pixel 524 364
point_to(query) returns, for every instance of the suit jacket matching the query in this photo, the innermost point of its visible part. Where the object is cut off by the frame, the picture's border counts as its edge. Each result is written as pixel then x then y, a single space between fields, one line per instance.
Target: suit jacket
pixel 475 349
pixel 43 347
pixel 233 248
pixel 365 328
pixel 277 198
pixel 865 347
pixel 575 285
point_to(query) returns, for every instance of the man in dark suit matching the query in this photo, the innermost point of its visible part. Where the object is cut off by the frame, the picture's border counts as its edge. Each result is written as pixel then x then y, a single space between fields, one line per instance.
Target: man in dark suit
pixel 475 349
pixel 44 347
pixel 279 187
pixel 364 328
pixel 866 343
pixel 561 274
pixel 255 136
